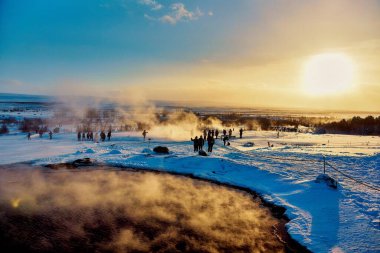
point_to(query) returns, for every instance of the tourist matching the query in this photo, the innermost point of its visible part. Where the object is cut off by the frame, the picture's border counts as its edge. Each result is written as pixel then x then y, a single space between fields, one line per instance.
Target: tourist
pixel 210 143
pixel 195 143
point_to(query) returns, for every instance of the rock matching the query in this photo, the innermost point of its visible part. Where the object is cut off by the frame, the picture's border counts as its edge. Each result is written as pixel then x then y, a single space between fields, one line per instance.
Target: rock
pixel 161 150
pixel 249 144
pixel 202 153
pixel 324 178
pixel 82 162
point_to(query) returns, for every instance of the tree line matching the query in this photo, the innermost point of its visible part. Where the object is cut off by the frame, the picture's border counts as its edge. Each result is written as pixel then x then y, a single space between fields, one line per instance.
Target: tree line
pixel 356 125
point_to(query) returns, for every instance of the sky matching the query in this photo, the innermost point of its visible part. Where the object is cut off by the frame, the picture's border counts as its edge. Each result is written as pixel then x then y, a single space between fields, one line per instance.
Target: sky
pixel 246 53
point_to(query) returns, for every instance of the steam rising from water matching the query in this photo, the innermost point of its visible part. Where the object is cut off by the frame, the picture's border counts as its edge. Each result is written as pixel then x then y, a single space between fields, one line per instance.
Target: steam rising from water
pixel 160 123
pixel 108 211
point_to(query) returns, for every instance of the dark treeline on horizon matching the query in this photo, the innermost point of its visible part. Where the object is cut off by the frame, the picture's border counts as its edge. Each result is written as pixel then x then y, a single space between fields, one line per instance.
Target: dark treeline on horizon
pixel 356 125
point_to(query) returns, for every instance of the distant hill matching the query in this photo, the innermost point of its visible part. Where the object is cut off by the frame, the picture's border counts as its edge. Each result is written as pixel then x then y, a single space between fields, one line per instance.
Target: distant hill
pixel 24 98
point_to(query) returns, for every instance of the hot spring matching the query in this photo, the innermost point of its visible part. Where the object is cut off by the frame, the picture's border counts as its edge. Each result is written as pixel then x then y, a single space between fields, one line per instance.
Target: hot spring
pixel 104 210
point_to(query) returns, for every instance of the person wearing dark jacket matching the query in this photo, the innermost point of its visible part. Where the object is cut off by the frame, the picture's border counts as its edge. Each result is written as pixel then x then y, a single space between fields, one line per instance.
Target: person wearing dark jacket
pixel 79 135
pixel 102 136
pixel 241 133
pixel 144 134
pixel 195 143
pixel 109 135
pixel 225 139
pixel 216 133
pixel 201 142
pixel 210 143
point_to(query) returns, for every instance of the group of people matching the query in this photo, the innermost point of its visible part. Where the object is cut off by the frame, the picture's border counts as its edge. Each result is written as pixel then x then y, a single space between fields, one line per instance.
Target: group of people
pixel 40 133
pixel 200 142
pixel 89 136
pixel 210 135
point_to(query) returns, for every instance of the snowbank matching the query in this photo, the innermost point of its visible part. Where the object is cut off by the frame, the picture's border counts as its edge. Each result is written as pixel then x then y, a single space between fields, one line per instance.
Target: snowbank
pixel 322 219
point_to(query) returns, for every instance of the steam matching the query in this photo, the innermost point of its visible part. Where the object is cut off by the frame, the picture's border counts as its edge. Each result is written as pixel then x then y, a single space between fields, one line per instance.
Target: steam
pixel 107 211
pixel 97 115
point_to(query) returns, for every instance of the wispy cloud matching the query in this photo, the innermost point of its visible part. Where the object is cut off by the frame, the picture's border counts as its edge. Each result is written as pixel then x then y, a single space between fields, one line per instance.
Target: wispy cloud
pixel 154 5
pixel 169 14
pixel 11 82
pixel 180 13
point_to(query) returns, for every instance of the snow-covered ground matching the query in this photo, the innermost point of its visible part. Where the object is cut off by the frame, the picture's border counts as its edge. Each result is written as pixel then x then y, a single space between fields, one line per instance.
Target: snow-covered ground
pixel 323 219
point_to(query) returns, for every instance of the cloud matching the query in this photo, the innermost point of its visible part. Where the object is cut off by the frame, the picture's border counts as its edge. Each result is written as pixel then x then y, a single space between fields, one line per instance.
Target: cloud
pixel 180 13
pixel 154 5
pixel 11 82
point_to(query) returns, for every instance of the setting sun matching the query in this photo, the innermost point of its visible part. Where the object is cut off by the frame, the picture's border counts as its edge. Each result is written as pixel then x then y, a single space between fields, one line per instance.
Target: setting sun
pixel 328 74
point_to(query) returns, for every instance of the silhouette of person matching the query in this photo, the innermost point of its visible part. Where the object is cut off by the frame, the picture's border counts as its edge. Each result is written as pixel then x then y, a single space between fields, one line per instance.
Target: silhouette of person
pixel 144 134
pixel 210 143
pixel 195 143
pixel 102 136
pixel 201 142
pixel 109 134
pixel 225 139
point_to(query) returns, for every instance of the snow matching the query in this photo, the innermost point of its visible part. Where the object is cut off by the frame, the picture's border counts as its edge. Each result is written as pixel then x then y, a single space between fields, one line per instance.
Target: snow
pixel 322 219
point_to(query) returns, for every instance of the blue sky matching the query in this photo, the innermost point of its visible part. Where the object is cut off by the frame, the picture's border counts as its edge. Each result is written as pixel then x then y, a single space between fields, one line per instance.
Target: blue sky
pixel 44 39
pixel 172 50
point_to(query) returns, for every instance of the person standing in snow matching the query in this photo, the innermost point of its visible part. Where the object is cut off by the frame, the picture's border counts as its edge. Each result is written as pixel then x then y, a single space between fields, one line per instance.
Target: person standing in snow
pixel 210 143
pixel 83 136
pixel 230 133
pixel 201 143
pixel 144 134
pixel 204 134
pixel 96 137
pixel 50 135
pixel 102 136
pixel 224 132
pixel 216 133
pixel 29 136
pixel 79 135
pixel 195 143
pixel 109 135
pixel 241 133
pixel 225 139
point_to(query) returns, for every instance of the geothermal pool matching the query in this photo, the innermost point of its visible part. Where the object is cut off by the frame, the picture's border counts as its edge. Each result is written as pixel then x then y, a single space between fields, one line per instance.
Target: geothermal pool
pixel 105 210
